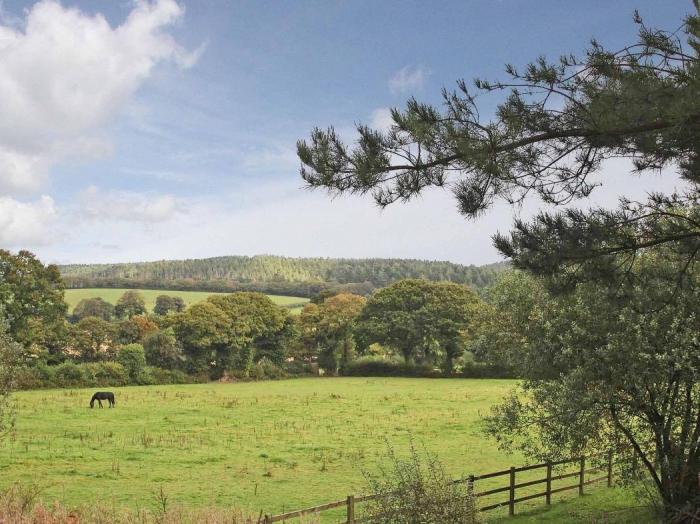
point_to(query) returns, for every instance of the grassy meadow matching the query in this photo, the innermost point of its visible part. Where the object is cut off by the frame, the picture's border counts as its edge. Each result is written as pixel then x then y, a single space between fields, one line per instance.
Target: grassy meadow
pixel 269 445
pixel 73 296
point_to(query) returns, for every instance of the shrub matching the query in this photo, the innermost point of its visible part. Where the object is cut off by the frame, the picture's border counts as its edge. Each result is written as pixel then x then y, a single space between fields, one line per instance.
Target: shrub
pixel 265 369
pixel 34 377
pixel 133 358
pixel 168 376
pixel 417 489
pixel 104 374
pixel 377 367
pixel 69 374
pixel 299 368
pixel 485 370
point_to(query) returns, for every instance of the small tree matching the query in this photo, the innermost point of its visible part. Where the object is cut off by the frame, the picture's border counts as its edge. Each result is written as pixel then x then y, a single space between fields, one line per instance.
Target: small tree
pixel 135 329
pixel 166 304
pixel 92 339
pixel 9 358
pixel 424 321
pixel 93 307
pixel 131 303
pixel 163 350
pixel 133 358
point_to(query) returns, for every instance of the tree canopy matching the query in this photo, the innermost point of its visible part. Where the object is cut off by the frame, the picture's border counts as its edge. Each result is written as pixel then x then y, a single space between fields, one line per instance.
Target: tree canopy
pixel 423 321
pixel 557 125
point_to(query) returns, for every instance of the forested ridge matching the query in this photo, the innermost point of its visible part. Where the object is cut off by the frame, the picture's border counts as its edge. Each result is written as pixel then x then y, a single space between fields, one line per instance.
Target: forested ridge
pixel 274 274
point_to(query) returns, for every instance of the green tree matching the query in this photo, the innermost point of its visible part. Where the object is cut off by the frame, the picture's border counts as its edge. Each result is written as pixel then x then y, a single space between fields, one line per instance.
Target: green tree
pixel 510 319
pixel 92 339
pixel 163 350
pixel 9 352
pixel 166 304
pixel 31 295
pixel 133 358
pixel 202 329
pixel 424 321
pixel 605 369
pixel 135 329
pixel 252 319
pixel 131 303
pixel 556 126
pixel 329 325
pixel 93 307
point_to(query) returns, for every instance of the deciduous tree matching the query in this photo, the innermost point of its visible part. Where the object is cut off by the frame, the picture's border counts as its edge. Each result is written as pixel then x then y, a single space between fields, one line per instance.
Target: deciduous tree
pixel 93 307
pixel 129 304
pixel 423 321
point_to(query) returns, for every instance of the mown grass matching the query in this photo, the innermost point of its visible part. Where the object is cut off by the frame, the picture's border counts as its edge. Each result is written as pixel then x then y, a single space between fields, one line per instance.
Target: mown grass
pixel 73 296
pixel 270 446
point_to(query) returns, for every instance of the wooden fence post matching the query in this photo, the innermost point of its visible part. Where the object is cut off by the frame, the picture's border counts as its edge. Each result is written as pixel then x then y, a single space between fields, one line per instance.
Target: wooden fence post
pixel 581 475
pixel 268 519
pixel 548 496
pixel 511 498
pixel 351 509
pixel 610 467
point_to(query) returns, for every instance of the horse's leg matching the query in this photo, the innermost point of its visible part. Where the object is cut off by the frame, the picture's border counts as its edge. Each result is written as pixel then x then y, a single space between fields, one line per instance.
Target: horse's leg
pixel 98 400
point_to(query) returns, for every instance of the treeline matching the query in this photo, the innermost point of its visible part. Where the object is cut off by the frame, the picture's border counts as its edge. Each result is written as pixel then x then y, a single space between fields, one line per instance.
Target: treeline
pixel 275 275
pixel 412 327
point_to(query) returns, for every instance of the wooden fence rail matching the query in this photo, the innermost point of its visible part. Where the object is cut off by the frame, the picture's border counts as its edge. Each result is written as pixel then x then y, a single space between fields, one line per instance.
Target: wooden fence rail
pixel 351 501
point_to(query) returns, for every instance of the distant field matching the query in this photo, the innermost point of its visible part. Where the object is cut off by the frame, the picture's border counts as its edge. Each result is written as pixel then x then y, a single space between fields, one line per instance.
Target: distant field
pixel 73 296
pixel 269 445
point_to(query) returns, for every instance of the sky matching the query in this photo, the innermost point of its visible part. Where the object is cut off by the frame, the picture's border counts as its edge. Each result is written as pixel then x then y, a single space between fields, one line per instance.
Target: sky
pixel 148 130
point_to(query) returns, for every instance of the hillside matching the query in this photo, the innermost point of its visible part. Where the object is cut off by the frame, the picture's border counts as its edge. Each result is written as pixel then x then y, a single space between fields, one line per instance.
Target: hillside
pixel 273 274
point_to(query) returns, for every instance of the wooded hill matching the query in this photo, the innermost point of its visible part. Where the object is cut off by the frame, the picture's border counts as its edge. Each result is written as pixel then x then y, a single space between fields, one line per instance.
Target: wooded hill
pixel 274 274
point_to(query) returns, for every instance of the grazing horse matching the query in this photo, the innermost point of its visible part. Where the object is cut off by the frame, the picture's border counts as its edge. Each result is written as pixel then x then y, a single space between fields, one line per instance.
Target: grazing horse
pixel 102 395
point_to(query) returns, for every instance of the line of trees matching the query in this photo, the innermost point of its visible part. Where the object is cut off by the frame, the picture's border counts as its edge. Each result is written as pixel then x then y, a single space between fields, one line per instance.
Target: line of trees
pixel 410 327
pixel 304 277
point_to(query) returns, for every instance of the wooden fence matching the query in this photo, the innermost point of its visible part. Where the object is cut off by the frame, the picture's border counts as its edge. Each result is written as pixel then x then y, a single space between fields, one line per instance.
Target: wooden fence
pixel 352 501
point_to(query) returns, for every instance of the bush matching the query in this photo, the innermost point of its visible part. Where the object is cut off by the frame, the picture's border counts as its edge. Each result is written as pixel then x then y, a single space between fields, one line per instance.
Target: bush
pixel 133 358
pixel 167 376
pixel 265 369
pixel 69 374
pixel 377 367
pixel 417 489
pixel 299 368
pixel 485 370
pixel 34 377
pixel 104 374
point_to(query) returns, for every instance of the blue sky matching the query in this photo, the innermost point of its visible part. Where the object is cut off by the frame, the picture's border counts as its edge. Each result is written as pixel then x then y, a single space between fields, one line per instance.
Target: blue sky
pixel 150 130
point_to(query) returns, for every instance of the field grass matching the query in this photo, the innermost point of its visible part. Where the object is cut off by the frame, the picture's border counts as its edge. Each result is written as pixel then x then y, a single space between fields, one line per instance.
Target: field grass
pixel 73 296
pixel 272 445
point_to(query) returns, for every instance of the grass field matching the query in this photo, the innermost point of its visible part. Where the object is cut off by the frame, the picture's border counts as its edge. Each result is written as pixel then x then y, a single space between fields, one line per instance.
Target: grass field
pixel 73 296
pixel 271 445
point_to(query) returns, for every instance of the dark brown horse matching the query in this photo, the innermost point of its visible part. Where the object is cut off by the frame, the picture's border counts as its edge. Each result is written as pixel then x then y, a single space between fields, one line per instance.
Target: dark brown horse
pixel 102 395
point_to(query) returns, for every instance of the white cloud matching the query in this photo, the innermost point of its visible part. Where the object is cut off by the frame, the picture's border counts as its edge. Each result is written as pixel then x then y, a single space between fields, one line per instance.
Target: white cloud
pixel 128 206
pixel 24 223
pixel 64 74
pixel 408 79
pixel 381 119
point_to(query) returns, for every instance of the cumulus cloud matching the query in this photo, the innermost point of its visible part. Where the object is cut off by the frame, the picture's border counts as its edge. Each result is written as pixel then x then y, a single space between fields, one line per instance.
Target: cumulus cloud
pixel 128 206
pixel 381 119
pixel 408 79
pixel 64 74
pixel 24 223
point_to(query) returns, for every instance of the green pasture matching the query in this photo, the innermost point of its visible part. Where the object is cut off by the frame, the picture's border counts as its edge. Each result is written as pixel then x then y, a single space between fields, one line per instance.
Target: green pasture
pixel 270 446
pixel 73 296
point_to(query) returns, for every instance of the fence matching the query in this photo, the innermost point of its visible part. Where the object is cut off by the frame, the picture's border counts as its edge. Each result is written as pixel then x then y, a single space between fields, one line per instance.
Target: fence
pixel 352 501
